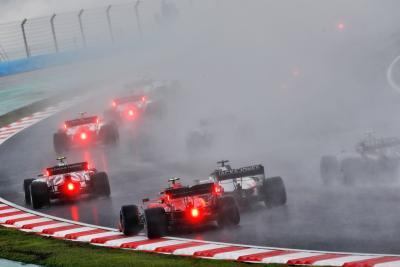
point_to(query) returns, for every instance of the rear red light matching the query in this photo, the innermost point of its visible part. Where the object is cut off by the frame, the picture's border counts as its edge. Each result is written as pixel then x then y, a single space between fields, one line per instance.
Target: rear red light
pixel 131 113
pixel 83 136
pixel 114 104
pixel 143 99
pixel 70 187
pixel 65 126
pixel 195 213
pixel 168 197
pixel 217 189
pixel 48 173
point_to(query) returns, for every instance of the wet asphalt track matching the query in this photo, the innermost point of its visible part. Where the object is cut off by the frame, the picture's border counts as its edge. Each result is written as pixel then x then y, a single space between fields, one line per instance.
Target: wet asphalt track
pixel 362 219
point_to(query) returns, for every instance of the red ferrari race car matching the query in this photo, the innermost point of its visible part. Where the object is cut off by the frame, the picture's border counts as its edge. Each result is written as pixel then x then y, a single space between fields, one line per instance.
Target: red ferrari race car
pixel 83 131
pixel 180 206
pixel 65 181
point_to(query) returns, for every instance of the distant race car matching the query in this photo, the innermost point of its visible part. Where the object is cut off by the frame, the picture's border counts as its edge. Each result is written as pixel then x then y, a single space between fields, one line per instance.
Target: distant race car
pixel 83 131
pixel 149 99
pixel 248 185
pixel 129 108
pixel 374 160
pixel 65 181
pixel 180 206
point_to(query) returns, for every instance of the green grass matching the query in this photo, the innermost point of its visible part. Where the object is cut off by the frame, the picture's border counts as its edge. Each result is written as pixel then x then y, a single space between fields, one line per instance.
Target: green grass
pixel 31 248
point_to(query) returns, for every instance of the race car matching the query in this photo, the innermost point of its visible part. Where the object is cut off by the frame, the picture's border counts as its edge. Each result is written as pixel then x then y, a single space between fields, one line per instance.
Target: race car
pixel 128 108
pixel 179 207
pixel 65 181
pixel 148 100
pixel 84 131
pixel 374 160
pixel 248 185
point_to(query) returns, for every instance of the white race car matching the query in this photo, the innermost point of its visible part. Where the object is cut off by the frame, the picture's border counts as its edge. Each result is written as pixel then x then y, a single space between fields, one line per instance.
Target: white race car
pixel 84 131
pixel 65 181
pixel 249 185
pixel 375 160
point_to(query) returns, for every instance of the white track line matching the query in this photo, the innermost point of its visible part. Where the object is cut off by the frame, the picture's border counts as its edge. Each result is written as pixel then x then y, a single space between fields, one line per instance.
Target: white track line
pixel 153 246
pixel 72 231
pixel 191 250
pixel 88 238
pixel 119 242
pixel 234 255
pixel 389 74
pixel 39 220
pixel 13 217
pixel 342 260
pixel 291 256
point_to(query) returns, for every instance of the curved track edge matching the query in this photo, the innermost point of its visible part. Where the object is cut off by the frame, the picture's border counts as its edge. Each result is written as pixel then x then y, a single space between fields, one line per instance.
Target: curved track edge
pixel 12 215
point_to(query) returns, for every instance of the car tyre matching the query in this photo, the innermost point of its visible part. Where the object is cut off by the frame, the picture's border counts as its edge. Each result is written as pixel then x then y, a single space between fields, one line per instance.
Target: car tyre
pixel 330 169
pixel 156 222
pixel 60 142
pixel 130 220
pixel 228 212
pixel 40 195
pixel 274 192
pixel 27 183
pixel 100 184
pixel 109 134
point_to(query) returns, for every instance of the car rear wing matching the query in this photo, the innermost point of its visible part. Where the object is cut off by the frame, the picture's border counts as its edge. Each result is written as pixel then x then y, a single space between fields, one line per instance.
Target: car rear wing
pixel 76 167
pixel 199 189
pixel 254 170
pixel 128 99
pixel 82 121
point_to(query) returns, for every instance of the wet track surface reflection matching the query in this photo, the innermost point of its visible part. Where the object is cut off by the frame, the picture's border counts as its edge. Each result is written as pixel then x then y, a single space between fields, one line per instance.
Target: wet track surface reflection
pixel 359 219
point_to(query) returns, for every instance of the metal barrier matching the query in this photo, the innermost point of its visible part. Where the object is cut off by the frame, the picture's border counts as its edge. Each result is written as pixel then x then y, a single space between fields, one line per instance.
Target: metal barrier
pixel 75 30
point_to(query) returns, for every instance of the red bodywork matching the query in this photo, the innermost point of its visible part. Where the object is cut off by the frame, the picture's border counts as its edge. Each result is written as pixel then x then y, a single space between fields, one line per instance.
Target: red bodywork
pixel 189 205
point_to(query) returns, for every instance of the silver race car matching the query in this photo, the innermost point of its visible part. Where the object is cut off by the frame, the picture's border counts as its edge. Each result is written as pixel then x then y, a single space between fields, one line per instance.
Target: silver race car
pixel 65 181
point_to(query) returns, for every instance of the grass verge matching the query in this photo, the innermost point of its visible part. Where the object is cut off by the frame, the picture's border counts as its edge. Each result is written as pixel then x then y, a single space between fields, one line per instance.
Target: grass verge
pixel 28 110
pixel 45 251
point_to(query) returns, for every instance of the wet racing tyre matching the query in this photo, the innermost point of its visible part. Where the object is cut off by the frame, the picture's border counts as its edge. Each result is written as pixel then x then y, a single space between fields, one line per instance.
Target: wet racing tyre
pixel 156 222
pixel 100 184
pixel 274 192
pixel 109 134
pixel 111 115
pixel 40 195
pixel 228 212
pixel 130 222
pixel 60 142
pixel 27 183
pixel 330 169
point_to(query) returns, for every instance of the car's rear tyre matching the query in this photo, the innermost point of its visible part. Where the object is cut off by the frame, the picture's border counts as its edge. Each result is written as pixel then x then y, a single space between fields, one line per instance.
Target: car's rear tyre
pixel 111 115
pixel 156 110
pixel 40 195
pixel 100 184
pixel 228 212
pixel 330 169
pixel 156 222
pixel 129 218
pixel 60 142
pixel 109 134
pixel 353 170
pixel 27 183
pixel 274 192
